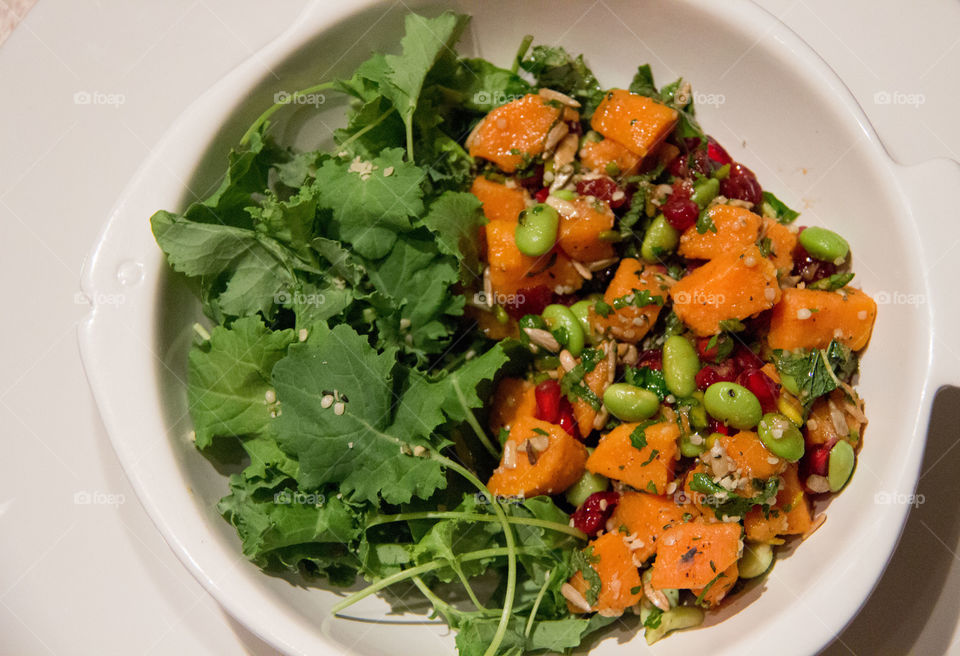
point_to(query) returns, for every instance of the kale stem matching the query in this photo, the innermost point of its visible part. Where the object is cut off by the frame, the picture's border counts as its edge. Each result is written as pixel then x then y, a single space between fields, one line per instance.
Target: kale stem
pixel 521 51
pixel 477 517
pixel 474 424
pixel 276 106
pixel 409 126
pixel 510 552
pixel 511 548
pixel 469 588
pixel 536 604
pixel 362 131
pixel 439 604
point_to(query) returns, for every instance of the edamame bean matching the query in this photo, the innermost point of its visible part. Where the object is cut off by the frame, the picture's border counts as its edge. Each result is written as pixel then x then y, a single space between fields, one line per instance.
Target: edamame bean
pixel 781 437
pixel 629 403
pixel 824 244
pixel 680 366
pixel 698 415
pixel 840 465
pixel 587 485
pixel 565 326
pixel 733 404
pixel 581 310
pixel 687 447
pixel 705 192
pixel 565 194
pixel 675 619
pixel 536 230
pixel 757 559
pixel 661 238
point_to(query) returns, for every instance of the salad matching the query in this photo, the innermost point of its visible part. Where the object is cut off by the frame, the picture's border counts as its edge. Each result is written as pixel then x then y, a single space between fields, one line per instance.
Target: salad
pixel 536 349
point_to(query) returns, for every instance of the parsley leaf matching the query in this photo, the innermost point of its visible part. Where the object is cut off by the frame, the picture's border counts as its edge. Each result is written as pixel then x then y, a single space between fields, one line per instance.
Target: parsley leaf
pixel 582 560
pixel 774 208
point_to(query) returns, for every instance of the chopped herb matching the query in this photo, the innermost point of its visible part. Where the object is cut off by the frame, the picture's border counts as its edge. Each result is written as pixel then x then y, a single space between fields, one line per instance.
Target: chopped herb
pixel 638 298
pixel 832 283
pixel 653 619
pixel 602 308
pixel 583 560
pixel 774 208
pixel 732 326
pixel 540 431
pixel 648 379
pixel 653 455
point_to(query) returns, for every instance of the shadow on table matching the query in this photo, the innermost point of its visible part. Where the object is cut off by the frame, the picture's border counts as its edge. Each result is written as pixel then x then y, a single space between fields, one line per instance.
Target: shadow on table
pixel 914 608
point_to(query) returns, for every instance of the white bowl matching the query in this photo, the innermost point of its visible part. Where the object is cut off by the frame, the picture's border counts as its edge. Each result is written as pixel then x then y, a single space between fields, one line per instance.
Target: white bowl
pixel 762 92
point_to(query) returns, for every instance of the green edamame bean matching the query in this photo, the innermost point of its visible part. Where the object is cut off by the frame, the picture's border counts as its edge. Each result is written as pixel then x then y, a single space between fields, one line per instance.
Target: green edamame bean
pixel 629 403
pixel 661 238
pixel 789 383
pixel 675 619
pixel 536 230
pixel 690 450
pixel 581 310
pixel 587 485
pixel 781 437
pixel 734 404
pixel 565 194
pixel 705 192
pixel 698 415
pixel 680 366
pixel 757 559
pixel 840 465
pixel 824 244
pixel 559 318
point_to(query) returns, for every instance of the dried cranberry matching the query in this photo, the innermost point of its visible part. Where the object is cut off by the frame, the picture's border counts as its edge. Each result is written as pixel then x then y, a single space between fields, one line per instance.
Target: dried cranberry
pixel 567 421
pixel 717 153
pixel 652 358
pixel 699 162
pixel 809 268
pixel 593 513
pixel 677 167
pixel 725 371
pixel 742 184
pixel 548 397
pixel 718 427
pixel 529 300
pixel 679 210
pixel 746 359
pixel 533 180
pixel 603 188
pixel 762 387
pixel 541 195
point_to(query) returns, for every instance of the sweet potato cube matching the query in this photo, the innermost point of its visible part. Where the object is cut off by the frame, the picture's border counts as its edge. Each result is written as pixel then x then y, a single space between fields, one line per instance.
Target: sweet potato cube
pixel 790 515
pixel 710 597
pixel 810 318
pixel 533 472
pixel 511 270
pixel 646 517
pixel 730 286
pixel 691 555
pixel 737 228
pixel 513 398
pixel 514 132
pixel 751 458
pixel 620 582
pixel 630 323
pixel 782 242
pixel 634 121
pixel 649 468
pixel 580 228
pixel 500 202
pixel 599 155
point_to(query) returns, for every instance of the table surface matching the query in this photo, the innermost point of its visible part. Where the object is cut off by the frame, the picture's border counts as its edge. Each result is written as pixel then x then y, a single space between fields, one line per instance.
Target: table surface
pixel 97 578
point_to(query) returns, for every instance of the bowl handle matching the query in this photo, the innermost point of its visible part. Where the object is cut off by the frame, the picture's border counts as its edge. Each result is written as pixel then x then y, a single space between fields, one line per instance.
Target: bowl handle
pixel 929 188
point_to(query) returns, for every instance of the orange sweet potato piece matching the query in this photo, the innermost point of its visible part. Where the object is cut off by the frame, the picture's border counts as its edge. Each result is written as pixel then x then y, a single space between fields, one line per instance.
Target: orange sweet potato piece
pixel 712 596
pixel 790 515
pixel 751 457
pixel 583 412
pixel 620 582
pixel 500 202
pixel 632 323
pixel 551 471
pixel 511 270
pixel 513 398
pixel 730 286
pixel 845 315
pixel 649 468
pixel 782 242
pixel 647 516
pixel 737 228
pixel 694 498
pixel 632 120
pixel 580 230
pixel 692 554
pixel 515 131
pixel 820 427
pixel 596 155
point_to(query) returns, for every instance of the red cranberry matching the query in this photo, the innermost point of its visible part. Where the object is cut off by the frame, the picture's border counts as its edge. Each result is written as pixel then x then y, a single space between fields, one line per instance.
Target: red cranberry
pixel 809 268
pixel 762 387
pixel 529 300
pixel 677 167
pixel 717 153
pixel 746 359
pixel 533 180
pixel 718 427
pixel 817 459
pixel 602 188
pixel 742 184
pixel 548 395
pixel 715 373
pixel 652 358
pixel 707 352
pixel 567 421
pixel 679 210
pixel 593 513
pixel 541 195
